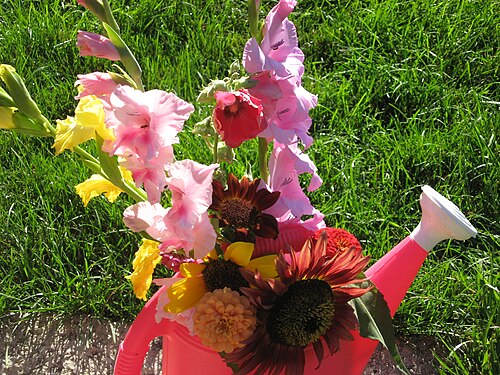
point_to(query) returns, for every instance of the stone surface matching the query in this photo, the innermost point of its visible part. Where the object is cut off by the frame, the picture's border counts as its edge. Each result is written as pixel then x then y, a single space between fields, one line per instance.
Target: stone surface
pixel 88 346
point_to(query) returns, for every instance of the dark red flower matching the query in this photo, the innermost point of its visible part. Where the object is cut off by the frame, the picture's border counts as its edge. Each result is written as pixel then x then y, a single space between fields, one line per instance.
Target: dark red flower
pixel 238 117
pixel 240 207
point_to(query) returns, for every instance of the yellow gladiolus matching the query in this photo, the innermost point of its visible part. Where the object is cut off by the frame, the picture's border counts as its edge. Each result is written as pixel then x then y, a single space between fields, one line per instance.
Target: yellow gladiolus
pixel 97 185
pixel 145 261
pixel 88 120
pixel 6 117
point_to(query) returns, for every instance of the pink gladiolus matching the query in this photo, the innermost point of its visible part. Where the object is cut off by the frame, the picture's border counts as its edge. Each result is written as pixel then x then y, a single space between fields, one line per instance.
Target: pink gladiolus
pixel 186 224
pixel 278 51
pixel 145 125
pixel 145 121
pixel 149 173
pixel 91 44
pixel 97 83
pixel 285 166
pixel 237 117
pixel 286 107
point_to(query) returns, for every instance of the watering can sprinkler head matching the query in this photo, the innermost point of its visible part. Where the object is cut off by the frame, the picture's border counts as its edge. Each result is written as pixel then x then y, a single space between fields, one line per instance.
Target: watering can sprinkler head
pixel 441 220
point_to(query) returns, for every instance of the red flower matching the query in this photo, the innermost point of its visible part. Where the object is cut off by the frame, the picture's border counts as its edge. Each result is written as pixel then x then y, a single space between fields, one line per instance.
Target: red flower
pixel 238 117
pixel 339 240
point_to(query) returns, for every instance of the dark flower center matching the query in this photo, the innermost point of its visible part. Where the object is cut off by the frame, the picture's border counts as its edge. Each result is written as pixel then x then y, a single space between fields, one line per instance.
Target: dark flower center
pixel 220 274
pixel 239 213
pixel 303 314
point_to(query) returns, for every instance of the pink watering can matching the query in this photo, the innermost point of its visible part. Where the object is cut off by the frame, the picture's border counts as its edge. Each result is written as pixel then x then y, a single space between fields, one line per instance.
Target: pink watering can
pixel 393 274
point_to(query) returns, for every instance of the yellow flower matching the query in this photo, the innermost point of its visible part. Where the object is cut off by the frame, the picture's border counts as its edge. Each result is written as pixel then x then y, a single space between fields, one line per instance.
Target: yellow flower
pixel 88 120
pixel 6 117
pixel 145 261
pixel 97 185
pixel 216 274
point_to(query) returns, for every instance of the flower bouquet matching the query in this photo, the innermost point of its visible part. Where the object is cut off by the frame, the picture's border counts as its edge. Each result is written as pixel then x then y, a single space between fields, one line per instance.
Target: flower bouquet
pixel 257 278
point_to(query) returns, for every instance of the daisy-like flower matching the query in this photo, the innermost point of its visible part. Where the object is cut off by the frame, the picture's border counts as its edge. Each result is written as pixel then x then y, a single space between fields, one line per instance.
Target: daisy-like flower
pixel 223 319
pixel 216 273
pixel 240 207
pixel 307 305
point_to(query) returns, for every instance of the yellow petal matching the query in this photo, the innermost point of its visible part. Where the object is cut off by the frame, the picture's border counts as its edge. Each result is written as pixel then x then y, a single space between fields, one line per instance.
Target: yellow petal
pixel 145 261
pixel 90 114
pixel 69 135
pixel 239 253
pixel 6 117
pixel 95 186
pixel 191 269
pixel 126 174
pixel 185 294
pixel 89 119
pixel 266 265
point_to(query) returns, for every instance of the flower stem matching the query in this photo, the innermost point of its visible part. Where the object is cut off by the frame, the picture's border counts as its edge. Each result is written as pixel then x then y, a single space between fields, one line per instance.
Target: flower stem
pixel 110 20
pixel 264 170
pixel 216 147
pixel 253 19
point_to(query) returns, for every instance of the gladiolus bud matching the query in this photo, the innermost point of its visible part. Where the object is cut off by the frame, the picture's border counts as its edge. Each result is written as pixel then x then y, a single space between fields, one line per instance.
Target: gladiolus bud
pixel 95 7
pixel 91 44
pixel 5 99
pixel 6 117
pixel 19 94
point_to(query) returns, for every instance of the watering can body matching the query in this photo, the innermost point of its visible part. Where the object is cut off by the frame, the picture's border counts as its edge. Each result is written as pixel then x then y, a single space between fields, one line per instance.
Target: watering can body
pixel 393 274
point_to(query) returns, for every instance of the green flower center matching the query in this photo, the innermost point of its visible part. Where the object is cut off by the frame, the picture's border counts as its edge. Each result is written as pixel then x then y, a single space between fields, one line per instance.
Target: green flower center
pixel 221 273
pixel 303 314
pixel 239 213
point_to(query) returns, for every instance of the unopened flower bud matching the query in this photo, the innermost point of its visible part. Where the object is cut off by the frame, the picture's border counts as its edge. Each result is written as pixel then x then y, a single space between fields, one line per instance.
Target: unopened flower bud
pixel 234 68
pixel 5 99
pixel 244 83
pixel 204 128
pixel 225 153
pixel 207 94
pixel 6 117
pixel 25 125
pixel 96 8
pixel 91 44
pixel 18 93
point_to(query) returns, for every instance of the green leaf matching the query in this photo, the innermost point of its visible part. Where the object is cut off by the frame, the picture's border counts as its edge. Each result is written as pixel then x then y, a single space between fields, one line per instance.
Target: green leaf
pixel 375 322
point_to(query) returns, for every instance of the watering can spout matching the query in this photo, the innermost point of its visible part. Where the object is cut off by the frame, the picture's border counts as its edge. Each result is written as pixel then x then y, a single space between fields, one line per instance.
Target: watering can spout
pixel 441 220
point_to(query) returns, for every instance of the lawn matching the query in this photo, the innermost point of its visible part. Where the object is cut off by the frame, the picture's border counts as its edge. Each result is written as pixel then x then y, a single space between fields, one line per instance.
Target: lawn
pixel 409 94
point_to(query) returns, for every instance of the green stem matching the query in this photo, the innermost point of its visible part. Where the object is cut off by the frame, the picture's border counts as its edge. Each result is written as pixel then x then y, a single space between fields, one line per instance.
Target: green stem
pixel 216 147
pixel 264 170
pixel 110 20
pixel 253 19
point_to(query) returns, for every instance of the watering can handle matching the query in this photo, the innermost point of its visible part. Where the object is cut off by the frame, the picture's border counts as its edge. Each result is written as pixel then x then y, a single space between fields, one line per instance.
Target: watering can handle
pixel 135 345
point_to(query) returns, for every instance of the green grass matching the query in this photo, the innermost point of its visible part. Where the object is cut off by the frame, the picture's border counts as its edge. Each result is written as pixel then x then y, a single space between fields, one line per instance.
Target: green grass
pixel 409 95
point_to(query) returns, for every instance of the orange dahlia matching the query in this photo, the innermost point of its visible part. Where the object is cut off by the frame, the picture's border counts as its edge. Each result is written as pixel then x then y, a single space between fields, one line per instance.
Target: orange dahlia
pixel 306 305
pixel 339 240
pixel 239 209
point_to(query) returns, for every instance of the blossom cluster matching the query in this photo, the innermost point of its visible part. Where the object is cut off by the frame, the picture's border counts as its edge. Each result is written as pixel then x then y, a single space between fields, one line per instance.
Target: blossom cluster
pixel 258 275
